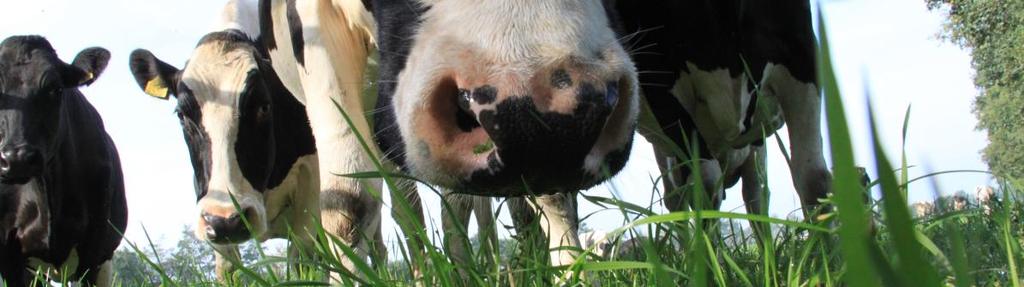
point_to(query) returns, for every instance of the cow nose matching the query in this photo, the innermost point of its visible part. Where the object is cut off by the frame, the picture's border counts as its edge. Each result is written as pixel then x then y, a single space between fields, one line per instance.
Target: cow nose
pixel 18 164
pixel 229 229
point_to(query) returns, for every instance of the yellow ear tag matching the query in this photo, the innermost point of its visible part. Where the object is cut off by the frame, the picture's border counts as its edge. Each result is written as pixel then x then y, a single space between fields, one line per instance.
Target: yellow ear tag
pixel 89 76
pixel 156 88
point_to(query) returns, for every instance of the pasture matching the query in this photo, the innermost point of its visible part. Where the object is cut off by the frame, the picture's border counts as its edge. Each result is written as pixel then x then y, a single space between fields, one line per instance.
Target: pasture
pixel 864 243
pixel 870 237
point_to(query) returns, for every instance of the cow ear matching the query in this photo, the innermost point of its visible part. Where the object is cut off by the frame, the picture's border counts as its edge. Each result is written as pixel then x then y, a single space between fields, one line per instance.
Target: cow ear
pixel 156 78
pixel 92 61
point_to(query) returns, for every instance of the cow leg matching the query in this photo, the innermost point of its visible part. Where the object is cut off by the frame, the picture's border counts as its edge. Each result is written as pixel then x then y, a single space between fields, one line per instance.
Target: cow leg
pixel 801 107
pixel 710 175
pixel 223 257
pixel 13 269
pixel 380 250
pixel 410 221
pixel 92 275
pixel 487 231
pixel 334 52
pixel 557 218
pixel 105 275
pixel 754 196
pixel 455 221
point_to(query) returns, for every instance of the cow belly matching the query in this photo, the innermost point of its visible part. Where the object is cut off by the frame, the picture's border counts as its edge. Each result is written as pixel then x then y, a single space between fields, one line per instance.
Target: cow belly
pixel 717 102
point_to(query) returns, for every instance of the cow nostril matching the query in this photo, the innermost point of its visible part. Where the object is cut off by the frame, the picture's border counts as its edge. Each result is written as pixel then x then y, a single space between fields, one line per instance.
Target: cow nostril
pixel 5 159
pixel 209 219
pixel 464 116
pixel 464 97
pixel 211 233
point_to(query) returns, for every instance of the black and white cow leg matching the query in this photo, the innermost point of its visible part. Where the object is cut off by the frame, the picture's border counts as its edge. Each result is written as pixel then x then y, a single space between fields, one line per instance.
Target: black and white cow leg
pixel 334 50
pixel 455 212
pixel 801 107
pixel 557 218
pixel 409 220
pixel 224 255
pixel 455 222
pixel 380 250
pixel 487 230
pixel 105 274
pixel 754 198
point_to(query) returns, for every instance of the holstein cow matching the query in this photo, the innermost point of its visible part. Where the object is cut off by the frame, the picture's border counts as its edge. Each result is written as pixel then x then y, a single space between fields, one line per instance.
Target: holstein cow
pixel 319 49
pixel 61 189
pixel 506 98
pixel 702 64
pixel 249 140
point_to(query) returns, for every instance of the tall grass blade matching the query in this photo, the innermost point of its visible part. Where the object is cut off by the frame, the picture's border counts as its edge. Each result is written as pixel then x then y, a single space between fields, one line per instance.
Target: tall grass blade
pixel 855 244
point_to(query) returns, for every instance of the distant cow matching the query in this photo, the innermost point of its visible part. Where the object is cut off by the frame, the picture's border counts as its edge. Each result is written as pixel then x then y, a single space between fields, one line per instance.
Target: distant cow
pixel 61 188
pixel 923 209
pixel 984 196
pixel 249 140
pixel 720 75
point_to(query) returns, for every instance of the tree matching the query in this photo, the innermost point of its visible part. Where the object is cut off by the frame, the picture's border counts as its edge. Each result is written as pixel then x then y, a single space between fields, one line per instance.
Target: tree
pixel 993 32
pixel 190 260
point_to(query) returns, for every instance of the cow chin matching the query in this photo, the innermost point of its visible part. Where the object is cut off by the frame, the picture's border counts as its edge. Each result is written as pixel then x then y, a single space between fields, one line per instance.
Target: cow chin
pixel 219 204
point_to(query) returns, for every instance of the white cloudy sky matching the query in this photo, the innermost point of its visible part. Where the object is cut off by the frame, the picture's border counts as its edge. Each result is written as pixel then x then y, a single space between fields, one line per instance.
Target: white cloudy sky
pixel 889 46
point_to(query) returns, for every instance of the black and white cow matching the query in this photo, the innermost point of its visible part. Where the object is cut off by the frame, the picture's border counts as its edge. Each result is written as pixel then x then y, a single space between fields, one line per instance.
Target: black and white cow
pixel 249 140
pixel 492 97
pixel 62 197
pixel 317 52
pixel 488 96
pixel 702 60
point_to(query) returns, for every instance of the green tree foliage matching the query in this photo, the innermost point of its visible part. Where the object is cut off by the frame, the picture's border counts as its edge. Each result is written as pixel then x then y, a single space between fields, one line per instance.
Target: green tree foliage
pixel 190 259
pixel 993 32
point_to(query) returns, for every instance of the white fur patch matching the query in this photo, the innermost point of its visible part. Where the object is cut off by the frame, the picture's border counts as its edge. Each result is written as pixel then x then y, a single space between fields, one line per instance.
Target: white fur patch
pixel 242 15
pixel 717 102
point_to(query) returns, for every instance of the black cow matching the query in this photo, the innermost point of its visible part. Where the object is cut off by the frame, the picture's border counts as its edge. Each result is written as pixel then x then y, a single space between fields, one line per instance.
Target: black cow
pixel 249 139
pixel 722 74
pixel 61 188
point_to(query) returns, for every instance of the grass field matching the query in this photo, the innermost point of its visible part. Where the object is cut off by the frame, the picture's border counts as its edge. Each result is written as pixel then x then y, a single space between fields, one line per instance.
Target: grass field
pixel 862 243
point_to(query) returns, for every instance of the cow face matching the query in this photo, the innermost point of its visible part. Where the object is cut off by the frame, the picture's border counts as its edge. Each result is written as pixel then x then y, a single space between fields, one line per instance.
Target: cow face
pixel 32 87
pixel 225 112
pixel 489 95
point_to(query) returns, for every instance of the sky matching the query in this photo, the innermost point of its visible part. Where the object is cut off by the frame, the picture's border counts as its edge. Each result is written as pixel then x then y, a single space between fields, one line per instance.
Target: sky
pixel 888 49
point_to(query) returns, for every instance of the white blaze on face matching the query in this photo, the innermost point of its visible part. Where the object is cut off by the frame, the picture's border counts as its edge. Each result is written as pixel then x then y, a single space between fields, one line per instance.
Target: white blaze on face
pixel 217 78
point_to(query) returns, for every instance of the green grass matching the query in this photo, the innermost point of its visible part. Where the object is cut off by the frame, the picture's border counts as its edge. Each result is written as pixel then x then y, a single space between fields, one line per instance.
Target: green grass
pixel 864 243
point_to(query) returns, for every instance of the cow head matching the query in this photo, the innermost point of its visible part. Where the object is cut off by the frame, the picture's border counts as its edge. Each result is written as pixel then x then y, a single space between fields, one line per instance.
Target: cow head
pixel 224 105
pixel 33 85
pixel 486 96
